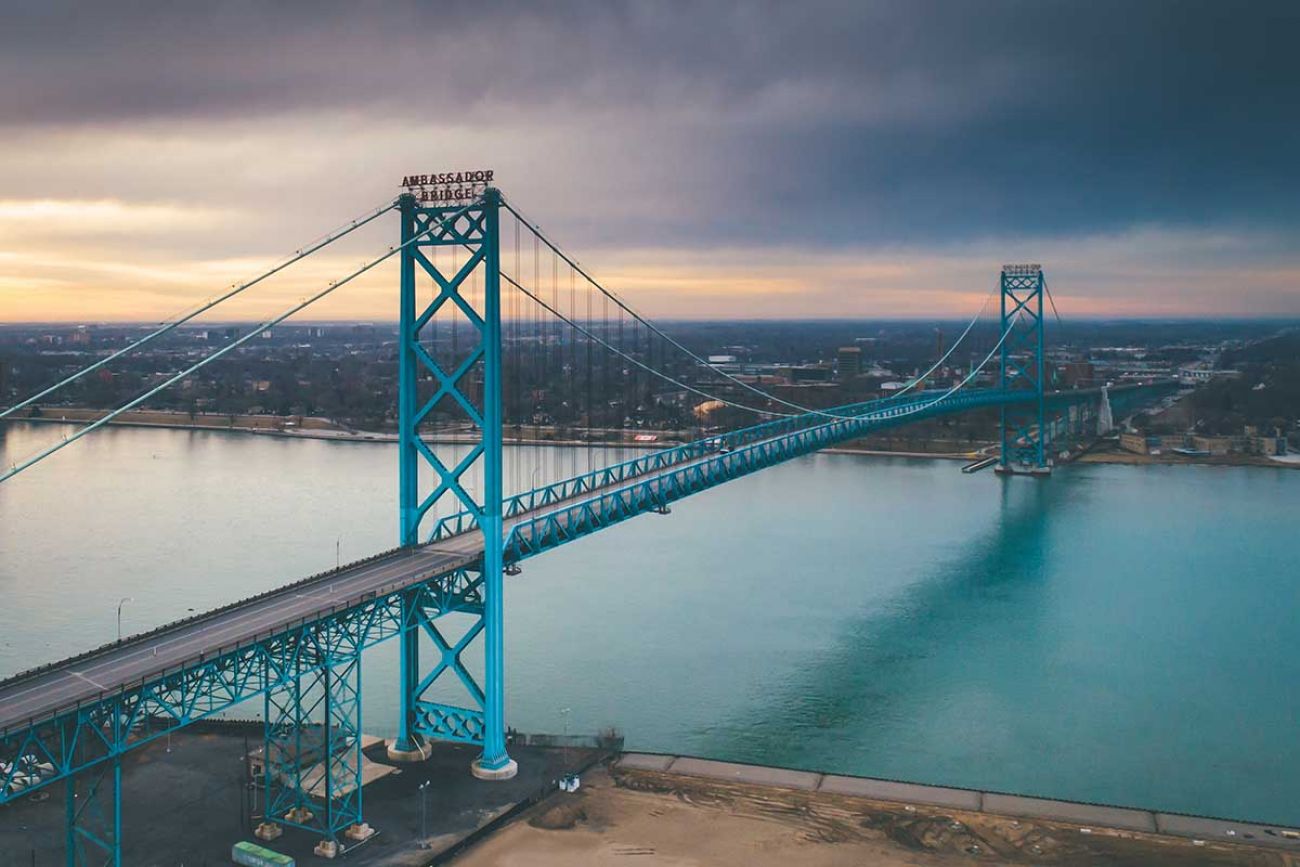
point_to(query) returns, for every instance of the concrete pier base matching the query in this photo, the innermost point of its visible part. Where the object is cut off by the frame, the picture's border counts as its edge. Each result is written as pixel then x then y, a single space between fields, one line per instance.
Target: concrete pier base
pixel 1022 470
pixel 420 752
pixel 327 849
pixel 505 772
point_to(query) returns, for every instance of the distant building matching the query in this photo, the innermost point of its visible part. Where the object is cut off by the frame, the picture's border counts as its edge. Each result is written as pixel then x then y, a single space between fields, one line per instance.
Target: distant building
pixel 1213 445
pixel 1268 445
pixel 1139 443
pixel 848 361
pixel 1198 375
pixel 807 373
pixel 722 359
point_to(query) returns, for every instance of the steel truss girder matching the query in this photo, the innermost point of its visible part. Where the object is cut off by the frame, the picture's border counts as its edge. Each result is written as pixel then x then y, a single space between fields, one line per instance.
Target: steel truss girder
pixel 663 459
pixel 48 750
pixel 95 733
pixel 870 417
pixel 554 528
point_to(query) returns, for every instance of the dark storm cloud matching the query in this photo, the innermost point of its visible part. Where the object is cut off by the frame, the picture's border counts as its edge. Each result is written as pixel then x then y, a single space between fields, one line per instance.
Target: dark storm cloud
pixel 849 122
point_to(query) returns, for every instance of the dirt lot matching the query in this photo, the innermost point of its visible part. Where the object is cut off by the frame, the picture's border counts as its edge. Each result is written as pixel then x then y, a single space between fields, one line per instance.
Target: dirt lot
pixel 653 819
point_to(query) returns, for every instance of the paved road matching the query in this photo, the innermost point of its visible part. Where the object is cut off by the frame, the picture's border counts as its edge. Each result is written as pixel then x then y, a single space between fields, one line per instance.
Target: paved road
pixel 39 695
pixel 140 657
pixel 35 697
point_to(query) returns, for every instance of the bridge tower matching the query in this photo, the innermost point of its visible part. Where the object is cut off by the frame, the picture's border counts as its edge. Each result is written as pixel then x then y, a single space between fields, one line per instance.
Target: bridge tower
pixel 465 390
pixel 1023 427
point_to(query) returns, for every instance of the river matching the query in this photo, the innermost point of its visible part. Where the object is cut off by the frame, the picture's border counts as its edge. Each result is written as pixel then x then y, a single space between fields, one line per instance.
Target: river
pixel 1118 634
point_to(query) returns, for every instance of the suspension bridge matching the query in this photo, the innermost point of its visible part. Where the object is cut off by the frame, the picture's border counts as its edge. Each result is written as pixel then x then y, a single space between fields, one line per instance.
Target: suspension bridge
pixel 495 348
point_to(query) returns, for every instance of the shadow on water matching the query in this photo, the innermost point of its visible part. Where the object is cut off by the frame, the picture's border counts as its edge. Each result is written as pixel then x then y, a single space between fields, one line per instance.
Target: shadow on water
pixel 882 664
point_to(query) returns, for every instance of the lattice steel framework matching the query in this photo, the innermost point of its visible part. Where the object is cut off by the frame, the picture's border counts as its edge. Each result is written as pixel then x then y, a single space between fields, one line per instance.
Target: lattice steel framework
pixel 312 747
pixel 453 385
pixel 83 746
pixel 1023 428
pixel 94 816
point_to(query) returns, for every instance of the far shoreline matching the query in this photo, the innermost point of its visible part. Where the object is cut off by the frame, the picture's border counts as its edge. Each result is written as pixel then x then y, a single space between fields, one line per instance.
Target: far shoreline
pixel 315 428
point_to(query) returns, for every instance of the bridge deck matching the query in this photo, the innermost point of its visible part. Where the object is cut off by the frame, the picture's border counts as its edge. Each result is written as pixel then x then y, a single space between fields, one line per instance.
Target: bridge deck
pixel 85 678
pixel 41 693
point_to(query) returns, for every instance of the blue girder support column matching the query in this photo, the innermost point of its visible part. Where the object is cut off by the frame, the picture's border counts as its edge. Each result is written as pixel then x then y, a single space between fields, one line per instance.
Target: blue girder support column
pixel 1022 367
pixel 94 816
pixel 476 232
pixel 312 749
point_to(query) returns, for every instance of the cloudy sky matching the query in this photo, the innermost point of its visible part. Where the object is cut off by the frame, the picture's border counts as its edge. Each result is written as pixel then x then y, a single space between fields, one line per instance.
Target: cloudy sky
pixel 792 159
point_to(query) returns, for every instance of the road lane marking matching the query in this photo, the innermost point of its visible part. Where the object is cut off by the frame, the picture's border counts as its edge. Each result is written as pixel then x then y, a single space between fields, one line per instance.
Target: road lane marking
pixel 98 686
pixel 257 615
pixel 247 622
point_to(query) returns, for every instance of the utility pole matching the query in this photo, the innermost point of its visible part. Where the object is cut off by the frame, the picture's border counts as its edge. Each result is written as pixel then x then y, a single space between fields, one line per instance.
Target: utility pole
pixel 424 814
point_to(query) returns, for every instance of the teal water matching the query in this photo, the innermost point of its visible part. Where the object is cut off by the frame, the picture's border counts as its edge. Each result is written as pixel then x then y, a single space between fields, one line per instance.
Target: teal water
pixel 1114 633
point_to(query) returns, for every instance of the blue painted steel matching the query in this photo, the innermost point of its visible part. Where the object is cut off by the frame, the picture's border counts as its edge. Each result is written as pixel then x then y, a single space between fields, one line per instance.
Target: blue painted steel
pixel 547 530
pixel 478 232
pixel 94 818
pixel 86 736
pixel 866 418
pixel 1022 368
pixel 662 459
pixel 313 665
pixel 90 735
pixel 494 734
pixel 312 748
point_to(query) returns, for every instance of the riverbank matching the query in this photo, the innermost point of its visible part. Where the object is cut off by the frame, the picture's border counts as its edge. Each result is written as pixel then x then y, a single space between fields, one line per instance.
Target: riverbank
pixel 313 427
pixel 303 427
pixel 186 799
pixel 681 810
pixel 1108 453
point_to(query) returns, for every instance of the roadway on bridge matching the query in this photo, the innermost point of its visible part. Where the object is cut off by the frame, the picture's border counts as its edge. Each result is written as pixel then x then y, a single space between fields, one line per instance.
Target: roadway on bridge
pixel 41 694
pixel 44 693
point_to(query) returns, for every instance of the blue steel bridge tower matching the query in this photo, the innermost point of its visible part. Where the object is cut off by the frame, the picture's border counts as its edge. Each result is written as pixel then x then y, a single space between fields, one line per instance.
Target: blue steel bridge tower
pixel 467 389
pixel 1023 425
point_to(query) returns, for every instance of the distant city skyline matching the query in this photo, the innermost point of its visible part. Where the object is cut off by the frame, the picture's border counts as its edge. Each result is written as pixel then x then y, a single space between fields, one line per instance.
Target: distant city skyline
pixel 739 160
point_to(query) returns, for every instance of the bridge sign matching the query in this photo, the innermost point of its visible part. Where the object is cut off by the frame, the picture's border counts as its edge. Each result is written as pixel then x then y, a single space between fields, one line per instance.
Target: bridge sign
pixel 448 188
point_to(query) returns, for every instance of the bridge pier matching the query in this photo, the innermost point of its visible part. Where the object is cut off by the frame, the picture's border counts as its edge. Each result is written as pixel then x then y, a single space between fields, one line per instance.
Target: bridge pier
pixel 1023 470
pixel 312 749
pixel 1022 369
pixel 408 746
pixel 94 816
pixel 431 388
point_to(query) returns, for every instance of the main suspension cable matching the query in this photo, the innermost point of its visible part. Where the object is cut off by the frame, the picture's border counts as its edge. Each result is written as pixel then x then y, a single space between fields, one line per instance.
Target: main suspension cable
pixel 704 362
pixel 175 322
pixel 619 352
pixel 18 468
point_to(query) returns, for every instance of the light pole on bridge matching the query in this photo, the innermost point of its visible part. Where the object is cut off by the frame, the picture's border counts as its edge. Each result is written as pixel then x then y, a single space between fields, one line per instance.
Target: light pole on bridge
pixel 120 603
